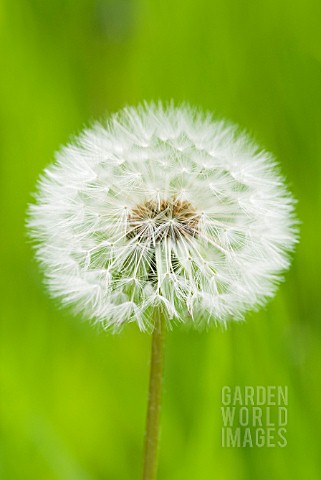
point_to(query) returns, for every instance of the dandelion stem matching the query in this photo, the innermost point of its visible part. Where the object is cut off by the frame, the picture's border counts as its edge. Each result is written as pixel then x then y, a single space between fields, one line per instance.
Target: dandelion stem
pixel 154 399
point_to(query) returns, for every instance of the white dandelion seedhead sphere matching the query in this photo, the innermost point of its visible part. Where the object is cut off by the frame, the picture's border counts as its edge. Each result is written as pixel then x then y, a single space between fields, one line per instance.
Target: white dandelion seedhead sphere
pixel 162 207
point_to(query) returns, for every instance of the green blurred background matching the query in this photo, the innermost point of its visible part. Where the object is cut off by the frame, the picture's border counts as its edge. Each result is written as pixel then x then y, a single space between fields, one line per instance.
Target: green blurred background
pixel 73 400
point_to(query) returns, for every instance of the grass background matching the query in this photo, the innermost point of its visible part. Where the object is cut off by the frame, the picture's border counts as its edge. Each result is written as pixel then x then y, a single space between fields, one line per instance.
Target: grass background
pixel 73 401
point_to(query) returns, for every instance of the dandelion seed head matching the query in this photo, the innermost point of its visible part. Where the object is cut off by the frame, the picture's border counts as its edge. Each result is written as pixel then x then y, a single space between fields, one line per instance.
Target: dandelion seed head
pixel 163 207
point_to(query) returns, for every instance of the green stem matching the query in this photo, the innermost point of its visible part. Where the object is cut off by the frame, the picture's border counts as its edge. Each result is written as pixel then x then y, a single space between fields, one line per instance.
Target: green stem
pixel 154 399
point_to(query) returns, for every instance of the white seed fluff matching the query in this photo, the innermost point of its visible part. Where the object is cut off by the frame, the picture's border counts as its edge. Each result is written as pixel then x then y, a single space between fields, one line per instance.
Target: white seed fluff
pixel 162 207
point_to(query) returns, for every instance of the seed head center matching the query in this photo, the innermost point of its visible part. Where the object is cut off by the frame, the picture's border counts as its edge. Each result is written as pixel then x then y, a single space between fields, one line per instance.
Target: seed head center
pixel 154 221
